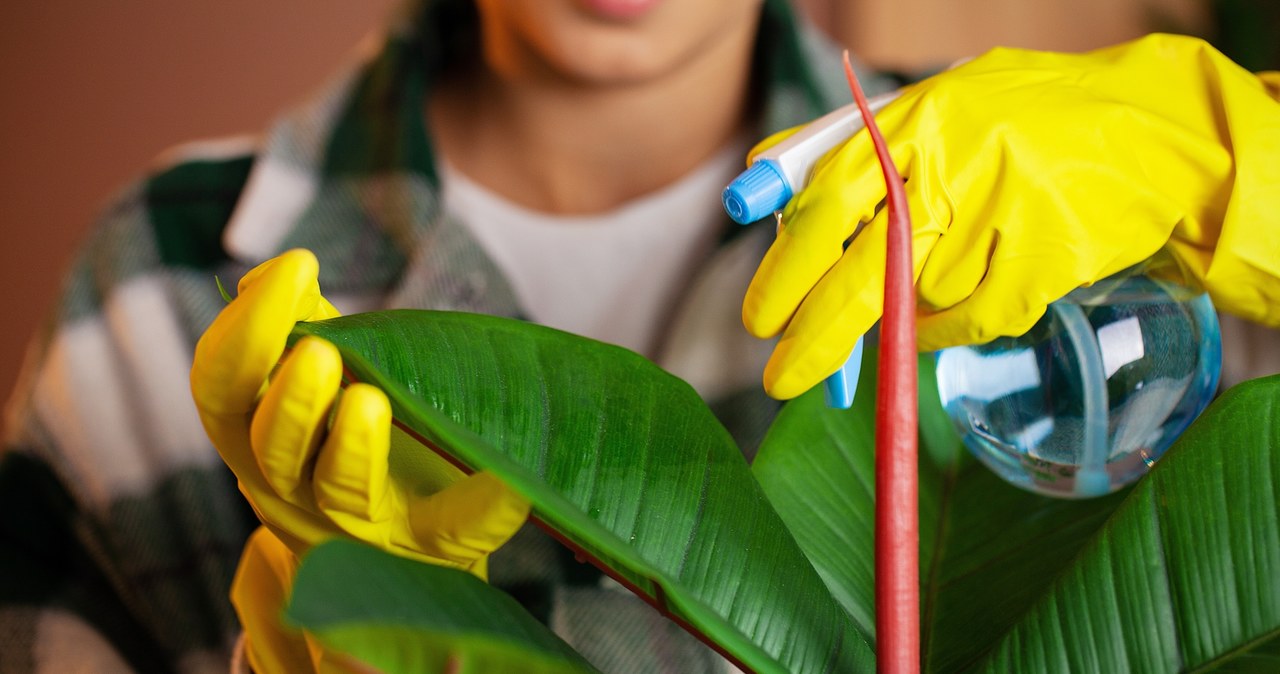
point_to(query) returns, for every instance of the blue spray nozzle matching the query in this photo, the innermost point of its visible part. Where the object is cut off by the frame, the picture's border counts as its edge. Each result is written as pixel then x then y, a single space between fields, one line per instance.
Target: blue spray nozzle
pixel 843 383
pixel 756 193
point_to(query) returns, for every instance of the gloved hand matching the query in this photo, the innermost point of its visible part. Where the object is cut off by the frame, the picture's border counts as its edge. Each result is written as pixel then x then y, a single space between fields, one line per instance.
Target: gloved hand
pixel 260 592
pixel 307 478
pixel 1029 174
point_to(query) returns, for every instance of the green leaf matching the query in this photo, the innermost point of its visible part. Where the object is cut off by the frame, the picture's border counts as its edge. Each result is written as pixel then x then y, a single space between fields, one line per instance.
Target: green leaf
pixel 406 616
pixel 222 290
pixel 621 460
pixel 1176 574
pixel 1186 568
pixel 817 467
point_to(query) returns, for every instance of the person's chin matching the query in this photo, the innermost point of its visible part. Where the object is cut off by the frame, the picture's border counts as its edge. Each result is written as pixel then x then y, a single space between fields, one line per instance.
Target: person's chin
pixel 602 55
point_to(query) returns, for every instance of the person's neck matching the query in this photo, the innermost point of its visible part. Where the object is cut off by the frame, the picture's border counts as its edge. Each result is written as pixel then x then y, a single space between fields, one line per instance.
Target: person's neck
pixel 571 148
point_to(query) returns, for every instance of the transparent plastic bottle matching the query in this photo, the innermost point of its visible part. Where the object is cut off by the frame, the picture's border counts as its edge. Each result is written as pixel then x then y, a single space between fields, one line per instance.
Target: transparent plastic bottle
pixel 1087 400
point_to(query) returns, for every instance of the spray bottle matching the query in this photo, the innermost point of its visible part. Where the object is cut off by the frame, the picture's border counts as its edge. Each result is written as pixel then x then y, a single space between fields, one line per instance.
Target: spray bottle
pixel 780 172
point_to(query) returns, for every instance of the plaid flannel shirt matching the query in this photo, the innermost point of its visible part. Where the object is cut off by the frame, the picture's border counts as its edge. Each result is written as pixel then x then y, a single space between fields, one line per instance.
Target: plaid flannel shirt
pixel 121 528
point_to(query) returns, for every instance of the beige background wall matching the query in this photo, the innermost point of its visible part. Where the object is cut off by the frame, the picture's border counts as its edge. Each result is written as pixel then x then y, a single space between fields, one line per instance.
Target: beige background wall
pixel 91 90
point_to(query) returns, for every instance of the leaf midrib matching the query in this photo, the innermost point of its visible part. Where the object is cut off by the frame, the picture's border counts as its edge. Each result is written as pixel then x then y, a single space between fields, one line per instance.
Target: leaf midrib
pixel 1242 649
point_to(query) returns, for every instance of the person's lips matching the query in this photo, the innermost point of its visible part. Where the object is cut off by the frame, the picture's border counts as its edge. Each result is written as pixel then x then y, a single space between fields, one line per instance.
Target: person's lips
pixel 619 9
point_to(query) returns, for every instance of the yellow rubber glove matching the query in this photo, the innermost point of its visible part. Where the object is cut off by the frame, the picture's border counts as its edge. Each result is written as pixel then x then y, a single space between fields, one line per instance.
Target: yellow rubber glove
pixel 1030 174
pixel 308 478
pixel 260 592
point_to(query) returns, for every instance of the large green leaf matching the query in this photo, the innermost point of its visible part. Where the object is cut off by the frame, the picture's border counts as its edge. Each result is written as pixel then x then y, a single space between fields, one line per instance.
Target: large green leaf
pixel 1176 574
pixel 404 616
pixel 620 459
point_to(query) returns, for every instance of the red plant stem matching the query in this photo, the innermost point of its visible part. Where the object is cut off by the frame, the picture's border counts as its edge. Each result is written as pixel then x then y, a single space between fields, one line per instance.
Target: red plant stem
pixel 897 516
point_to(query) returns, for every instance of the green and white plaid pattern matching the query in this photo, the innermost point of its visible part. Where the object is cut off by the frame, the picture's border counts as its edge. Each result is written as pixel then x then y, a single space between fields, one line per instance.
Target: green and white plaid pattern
pixel 120 528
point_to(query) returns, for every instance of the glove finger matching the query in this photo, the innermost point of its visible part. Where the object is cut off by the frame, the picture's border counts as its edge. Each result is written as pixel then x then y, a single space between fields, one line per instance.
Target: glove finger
pixel 468 520
pixel 292 415
pixel 1010 299
pixel 259 591
pixel 847 187
pixel 238 351
pixel 323 308
pixel 1023 278
pixel 958 261
pixel 351 475
pixel 844 305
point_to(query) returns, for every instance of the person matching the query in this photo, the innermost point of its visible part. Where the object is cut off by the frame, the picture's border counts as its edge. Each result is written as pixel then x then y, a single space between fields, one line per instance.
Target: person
pixel 554 161
pixel 484 137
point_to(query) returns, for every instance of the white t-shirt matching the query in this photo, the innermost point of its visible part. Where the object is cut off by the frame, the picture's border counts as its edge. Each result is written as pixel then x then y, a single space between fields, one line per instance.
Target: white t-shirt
pixel 613 276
